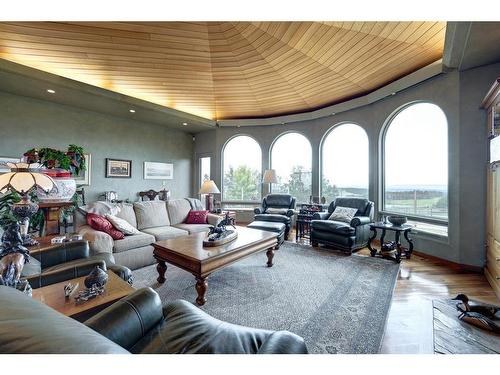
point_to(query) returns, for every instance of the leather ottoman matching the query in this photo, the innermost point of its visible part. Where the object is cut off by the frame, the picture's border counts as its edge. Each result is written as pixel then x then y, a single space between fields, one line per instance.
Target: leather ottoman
pixel 270 226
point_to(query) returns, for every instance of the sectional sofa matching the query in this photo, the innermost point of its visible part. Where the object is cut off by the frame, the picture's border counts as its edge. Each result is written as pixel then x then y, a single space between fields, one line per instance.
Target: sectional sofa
pixel 156 220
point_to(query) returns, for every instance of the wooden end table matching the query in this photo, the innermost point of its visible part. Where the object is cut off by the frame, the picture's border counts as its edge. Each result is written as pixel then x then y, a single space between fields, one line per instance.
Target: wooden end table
pixel 188 253
pixel 53 296
pixel 392 249
pixel 303 226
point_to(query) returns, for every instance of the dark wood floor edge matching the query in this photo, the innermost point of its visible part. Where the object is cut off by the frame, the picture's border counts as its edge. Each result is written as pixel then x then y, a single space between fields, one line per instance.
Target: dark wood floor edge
pixel 451 264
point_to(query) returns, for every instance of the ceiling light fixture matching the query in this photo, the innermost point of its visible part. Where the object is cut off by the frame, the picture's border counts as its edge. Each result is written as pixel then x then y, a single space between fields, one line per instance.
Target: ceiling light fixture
pixel 50 91
pixel 131 110
pixel 184 124
pixel 393 93
pixel 333 113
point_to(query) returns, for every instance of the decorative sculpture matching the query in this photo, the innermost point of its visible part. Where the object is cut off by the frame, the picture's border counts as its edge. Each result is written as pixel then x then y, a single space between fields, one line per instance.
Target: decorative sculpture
pixel 13 256
pixel 219 235
pixel 92 292
pixel 96 277
pixel 480 315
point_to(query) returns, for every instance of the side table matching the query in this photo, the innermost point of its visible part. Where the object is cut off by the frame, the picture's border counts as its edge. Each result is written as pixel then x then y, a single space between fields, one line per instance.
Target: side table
pixel 303 226
pixel 392 249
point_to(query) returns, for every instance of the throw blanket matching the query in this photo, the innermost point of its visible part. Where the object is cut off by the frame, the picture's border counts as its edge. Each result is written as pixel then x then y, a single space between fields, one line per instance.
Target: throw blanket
pixel 195 204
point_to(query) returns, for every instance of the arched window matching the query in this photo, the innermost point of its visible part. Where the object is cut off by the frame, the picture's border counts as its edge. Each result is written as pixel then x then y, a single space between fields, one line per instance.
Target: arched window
pixel 242 158
pixel 415 151
pixel 344 161
pixel 291 157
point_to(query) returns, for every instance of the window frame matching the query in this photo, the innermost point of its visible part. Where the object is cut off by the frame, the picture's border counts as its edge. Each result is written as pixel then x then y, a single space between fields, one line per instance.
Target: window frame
pixel 239 202
pixel 381 163
pixel 270 159
pixel 322 162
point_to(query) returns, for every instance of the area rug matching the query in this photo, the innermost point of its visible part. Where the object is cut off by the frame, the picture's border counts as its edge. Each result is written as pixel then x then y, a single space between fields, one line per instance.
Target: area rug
pixel 337 303
pixel 452 336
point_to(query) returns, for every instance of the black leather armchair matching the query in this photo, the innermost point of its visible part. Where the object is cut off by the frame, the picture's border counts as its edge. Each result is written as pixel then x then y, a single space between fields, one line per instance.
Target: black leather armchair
pixel 277 208
pixel 348 237
pixel 135 324
pixel 68 261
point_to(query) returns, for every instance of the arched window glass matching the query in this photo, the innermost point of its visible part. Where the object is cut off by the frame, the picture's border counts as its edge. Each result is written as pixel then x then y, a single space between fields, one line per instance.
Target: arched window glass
pixel 415 149
pixel 291 157
pixel 344 163
pixel 242 159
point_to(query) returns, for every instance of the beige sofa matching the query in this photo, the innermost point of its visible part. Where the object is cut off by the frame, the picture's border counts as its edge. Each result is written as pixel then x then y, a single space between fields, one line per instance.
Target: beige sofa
pixel 156 220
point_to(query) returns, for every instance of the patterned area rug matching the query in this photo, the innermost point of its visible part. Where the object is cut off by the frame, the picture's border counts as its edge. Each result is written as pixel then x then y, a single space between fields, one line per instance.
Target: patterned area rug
pixel 337 303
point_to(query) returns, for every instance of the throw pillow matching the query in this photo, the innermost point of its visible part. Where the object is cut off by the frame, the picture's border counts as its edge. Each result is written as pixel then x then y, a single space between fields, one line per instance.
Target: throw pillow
pixel 122 225
pixel 197 217
pixel 344 214
pixel 100 208
pixel 277 211
pixel 102 224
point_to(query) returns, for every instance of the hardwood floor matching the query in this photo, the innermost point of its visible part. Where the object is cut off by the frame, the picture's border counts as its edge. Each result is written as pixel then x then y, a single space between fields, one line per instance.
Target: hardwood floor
pixel 409 324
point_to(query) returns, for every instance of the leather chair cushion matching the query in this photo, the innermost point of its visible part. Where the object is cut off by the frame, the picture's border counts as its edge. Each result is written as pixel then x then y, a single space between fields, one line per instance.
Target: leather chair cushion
pixel 106 257
pixel 331 226
pixel 360 204
pixel 164 233
pixel 30 327
pixel 131 242
pixel 188 330
pixel 278 200
pixel 193 228
pixel 333 238
pixel 273 217
pixel 268 226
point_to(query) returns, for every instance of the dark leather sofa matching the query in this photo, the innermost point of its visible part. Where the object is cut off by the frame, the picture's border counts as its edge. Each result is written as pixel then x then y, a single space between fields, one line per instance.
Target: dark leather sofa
pixel 347 237
pixel 68 261
pixel 277 208
pixel 135 324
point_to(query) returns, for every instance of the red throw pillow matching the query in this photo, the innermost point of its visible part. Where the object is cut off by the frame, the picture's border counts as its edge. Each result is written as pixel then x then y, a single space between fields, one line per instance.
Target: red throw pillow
pixel 102 224
pixel 197 217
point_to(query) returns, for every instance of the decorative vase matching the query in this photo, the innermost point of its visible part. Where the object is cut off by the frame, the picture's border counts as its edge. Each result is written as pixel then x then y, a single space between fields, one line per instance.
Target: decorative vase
pixel 97 277
pixel 66 187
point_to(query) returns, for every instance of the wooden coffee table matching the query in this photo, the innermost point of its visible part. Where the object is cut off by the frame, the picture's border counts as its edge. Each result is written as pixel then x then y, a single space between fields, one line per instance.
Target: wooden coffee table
pixel 53 296
pixel 188 253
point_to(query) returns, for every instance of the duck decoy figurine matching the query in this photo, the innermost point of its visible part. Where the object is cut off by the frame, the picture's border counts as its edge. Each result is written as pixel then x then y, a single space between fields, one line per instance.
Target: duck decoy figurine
pixel 480 315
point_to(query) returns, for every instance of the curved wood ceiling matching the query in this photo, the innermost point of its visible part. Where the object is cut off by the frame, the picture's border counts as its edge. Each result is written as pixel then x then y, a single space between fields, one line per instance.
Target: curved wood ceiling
pixel 228 70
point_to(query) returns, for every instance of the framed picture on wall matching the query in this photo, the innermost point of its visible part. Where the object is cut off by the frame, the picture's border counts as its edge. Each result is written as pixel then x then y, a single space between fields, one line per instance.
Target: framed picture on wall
pixel 84 177
pixel 158 171
pixel 4 160
pixel 118 168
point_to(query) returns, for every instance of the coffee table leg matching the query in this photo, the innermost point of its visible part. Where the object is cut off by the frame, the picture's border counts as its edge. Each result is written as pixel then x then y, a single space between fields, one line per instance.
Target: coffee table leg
pixel 201 289
pixel 270 256
pixel 161 267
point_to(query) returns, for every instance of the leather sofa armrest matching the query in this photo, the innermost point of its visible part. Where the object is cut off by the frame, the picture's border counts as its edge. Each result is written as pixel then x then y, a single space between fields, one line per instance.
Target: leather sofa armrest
pixel 321 216
pixel 213 219
pixel 63 253
pixel 123 272
pixel 360 220
pixel 99 242
pixel 290 212
pixel 126 321
pixel 258 210
pixel 65 273
pixel 283 342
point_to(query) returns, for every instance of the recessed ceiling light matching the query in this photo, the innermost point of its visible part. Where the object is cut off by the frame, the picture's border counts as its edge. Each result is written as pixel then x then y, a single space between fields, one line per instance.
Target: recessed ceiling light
pixel 393 93
pixel 184 124
pixel 131 110
pixel 50 91
pixel 333 113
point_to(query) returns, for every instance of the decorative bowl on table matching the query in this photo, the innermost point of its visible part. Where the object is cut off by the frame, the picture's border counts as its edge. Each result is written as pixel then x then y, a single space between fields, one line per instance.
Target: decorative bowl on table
pixel 397 220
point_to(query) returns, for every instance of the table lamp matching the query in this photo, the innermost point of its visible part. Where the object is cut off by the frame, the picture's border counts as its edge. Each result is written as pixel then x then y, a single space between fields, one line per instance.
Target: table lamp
pixel 269 177
pixel 22 180
pixel 209 188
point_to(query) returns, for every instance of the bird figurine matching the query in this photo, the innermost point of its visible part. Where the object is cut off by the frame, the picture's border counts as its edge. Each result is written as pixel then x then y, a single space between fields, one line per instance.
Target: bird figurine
pixel 465 305
pixel 480 315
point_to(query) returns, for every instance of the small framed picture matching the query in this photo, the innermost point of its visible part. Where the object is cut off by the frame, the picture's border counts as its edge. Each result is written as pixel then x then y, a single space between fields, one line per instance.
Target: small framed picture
pixel 84 177
pixel 4 160
pixel 117 168
pixel 158 171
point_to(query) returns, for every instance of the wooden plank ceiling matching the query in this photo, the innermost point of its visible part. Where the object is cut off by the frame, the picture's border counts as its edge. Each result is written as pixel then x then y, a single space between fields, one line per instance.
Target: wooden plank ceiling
pixel 228 70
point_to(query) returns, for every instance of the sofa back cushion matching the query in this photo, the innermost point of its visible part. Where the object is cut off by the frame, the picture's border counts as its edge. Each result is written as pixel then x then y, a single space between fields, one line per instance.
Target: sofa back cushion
pixel 278 200
pixel 178 210
pixel 127 213
pixel 150 214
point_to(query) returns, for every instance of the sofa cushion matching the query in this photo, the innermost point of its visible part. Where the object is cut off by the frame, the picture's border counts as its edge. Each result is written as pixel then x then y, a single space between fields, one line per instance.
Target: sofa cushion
pixel 178 210
pixel 131 242
pixel 193 228
pixel 277 211
pixel 337 227
pixel 151 214
pixel 127 213
pixel 102 224
pixel 164 233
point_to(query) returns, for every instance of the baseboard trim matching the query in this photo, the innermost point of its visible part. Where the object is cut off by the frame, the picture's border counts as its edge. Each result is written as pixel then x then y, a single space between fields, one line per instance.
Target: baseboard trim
pixel 452 265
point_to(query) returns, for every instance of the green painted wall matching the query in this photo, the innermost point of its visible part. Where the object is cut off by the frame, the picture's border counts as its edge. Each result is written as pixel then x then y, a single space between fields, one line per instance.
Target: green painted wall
pixel 27 123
